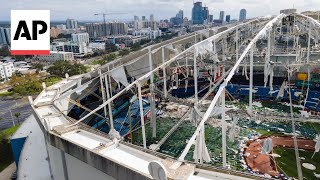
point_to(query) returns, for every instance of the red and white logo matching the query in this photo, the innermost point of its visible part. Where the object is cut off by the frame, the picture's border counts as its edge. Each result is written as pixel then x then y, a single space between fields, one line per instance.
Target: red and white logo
pixel 30 32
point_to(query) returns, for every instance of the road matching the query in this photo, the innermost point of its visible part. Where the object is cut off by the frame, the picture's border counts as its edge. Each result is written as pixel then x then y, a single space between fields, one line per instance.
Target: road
pixel 17 105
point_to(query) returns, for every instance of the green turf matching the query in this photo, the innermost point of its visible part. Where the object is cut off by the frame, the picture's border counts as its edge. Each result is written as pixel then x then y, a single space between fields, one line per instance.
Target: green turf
pixel 178 140
pixel 6 94
pixel 287 162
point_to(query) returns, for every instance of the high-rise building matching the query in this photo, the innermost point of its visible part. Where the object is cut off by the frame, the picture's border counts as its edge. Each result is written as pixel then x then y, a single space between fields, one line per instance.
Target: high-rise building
pixel 243 15
pixel 151 17
pixel 80 37
pixel 180 15
pixel 205 13
pixel 221 17
pixel 62 27
pixel 228 19
pixel 150 24
pixel 72 24
pixel 197 13
pixel 178 19
pixel 210 19
pixel 96 30
pixel 5 35
pixel 143 18
pixel 136 18
pixel 6 70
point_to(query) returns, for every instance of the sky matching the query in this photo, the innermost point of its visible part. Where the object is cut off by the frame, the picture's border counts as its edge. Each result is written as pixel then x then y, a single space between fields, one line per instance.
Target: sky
pixel 84 10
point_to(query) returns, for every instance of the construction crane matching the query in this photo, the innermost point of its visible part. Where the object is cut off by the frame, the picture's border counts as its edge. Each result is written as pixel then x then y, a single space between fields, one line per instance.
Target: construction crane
pixel 107 14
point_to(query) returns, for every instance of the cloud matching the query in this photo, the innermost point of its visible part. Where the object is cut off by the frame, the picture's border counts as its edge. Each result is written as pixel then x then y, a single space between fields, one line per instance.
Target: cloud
pixel 162 9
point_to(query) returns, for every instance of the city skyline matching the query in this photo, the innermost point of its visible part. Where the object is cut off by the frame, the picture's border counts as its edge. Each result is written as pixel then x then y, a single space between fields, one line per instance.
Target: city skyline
pixel 161 9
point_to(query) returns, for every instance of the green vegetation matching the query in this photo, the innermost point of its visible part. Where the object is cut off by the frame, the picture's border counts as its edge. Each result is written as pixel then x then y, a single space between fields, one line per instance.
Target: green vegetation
pixel 177 141
pixel 5 150
pixel 51 80
pixel 165 37
pixel 17 115
pixel 288 165
pixel 124 52
pixel 60 68
pixel 38 67
pixel 28 84
pixel 99 61
pixel 6 94
pixel 105 59
pixel 5 134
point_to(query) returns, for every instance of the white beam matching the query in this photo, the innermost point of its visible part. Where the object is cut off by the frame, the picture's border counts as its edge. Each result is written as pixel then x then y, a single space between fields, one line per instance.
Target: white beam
pixel 224 129
pixel 109 104
pixel 251 81
pixel 195 72
pixel 142 117
pixel 103 92
pixel 152 98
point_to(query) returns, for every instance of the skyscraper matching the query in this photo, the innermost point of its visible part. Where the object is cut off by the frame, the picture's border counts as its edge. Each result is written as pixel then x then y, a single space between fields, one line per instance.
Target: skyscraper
pixel 5 35
pixel 243 15
pixel 72 24
pixel 151 17
pixel 143 18
pixel 205 13
pixel 197 13
pixel 210 18
pixel 228 18
pixel 96 30
pixel 221 16
pixel 136 18
pixel 179 17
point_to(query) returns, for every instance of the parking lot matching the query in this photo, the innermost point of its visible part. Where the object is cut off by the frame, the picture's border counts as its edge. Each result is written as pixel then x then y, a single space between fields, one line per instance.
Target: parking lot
pixel 8 119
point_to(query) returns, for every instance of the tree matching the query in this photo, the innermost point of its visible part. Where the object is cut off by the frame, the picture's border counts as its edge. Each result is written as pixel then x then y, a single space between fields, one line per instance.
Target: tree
pixel 110 57
pixel 60 68
pixel 135 47
pixel 17 115
pixel 4 51
pixel 124 52
pixel 111 48
pixel 38 67
pixel 27 84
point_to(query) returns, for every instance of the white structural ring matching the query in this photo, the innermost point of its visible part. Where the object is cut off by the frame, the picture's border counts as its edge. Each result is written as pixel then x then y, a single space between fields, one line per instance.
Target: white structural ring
pixel 157 170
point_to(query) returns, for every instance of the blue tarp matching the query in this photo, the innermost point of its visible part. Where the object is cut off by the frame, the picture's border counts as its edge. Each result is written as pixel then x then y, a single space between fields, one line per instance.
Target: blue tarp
pixel 17 146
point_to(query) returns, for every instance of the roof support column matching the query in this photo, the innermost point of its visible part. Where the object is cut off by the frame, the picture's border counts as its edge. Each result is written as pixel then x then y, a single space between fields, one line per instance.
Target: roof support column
pixel 152 98
pixel 109 104
pixel 251 81
pixel 164 75
pixel 103 92
pixel 195 72
pixel 142 117
pixel 224 128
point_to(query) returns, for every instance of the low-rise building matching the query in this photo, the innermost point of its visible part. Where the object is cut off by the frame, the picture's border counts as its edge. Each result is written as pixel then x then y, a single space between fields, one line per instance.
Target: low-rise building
pixel 6 70
pixel 97 46
pixel 80 37
pixel 151 34
pixel 79 49
pixel 55 56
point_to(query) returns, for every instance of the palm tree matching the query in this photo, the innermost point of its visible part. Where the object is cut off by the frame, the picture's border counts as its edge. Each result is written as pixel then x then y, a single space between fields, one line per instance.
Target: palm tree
pixel 17 115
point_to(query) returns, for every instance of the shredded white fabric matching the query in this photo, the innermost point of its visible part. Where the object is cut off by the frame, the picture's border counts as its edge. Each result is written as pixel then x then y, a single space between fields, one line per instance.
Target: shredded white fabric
pixel 119 75
pixel 201 145
pixel 267 146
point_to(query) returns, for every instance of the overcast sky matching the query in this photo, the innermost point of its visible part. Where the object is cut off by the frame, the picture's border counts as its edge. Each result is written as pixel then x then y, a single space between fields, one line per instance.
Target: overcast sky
pixel 162 9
